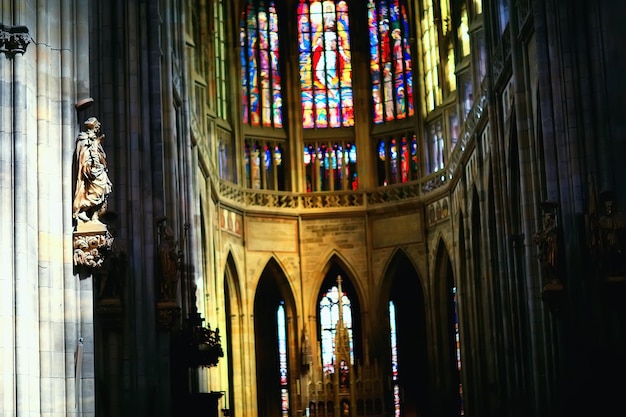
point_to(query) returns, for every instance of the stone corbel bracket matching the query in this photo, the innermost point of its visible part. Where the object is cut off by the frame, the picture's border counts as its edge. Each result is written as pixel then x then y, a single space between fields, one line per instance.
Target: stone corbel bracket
pixel 90 248
pixel 14 40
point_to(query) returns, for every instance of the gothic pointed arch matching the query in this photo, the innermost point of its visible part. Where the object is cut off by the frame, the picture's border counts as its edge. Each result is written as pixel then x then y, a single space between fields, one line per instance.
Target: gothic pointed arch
pixel 448 362
pixel 402 288
pixel 231 282
pixel 333 259
pixel 234 315
pixel 336 266
pixel 514 176
pixel 275 330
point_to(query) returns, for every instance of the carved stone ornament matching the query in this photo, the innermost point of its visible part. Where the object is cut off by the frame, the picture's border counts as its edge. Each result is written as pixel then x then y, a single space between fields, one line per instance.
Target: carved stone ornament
pixel 203 345
pixel 14 40
pixel 90 248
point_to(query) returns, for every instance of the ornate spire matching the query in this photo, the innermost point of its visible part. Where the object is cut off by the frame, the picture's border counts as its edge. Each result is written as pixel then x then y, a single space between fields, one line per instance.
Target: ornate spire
pixel 342 338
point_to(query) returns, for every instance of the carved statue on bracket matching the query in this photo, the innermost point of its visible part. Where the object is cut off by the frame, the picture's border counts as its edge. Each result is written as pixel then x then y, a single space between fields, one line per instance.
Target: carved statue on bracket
pixel 92 238
pixel 169 261
pixel 92 181
pixel 612 225
pixel 547 240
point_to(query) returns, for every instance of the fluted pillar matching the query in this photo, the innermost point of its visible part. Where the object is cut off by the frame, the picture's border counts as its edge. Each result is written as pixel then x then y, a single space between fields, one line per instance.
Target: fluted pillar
pixel 44 309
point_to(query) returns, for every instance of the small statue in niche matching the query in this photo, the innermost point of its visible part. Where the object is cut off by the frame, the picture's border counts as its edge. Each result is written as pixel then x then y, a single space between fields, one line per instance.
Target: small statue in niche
pixel 612 237
pixel 92 181
pixel 169 259
pixel 547 240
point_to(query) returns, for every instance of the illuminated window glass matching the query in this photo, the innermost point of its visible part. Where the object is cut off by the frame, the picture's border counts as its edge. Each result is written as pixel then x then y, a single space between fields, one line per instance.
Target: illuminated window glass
pixel 435 154
pixel 502 7
pixel 430 44
pixel 455 128
pixel 260 74
pixel 394 359
pixel 329 315
pixel 450 69
pixel 265 168
pixel 444 6
pixel 457 344
pixel 463 30
pixel 219 69
pixel 390 60
pixel 398 160
pixel 325 64
pixel 282 359
pixel 330 166
pixel 478 7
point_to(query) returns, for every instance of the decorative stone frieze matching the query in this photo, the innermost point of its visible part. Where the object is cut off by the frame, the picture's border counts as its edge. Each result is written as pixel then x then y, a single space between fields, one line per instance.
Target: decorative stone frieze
pixel 13 40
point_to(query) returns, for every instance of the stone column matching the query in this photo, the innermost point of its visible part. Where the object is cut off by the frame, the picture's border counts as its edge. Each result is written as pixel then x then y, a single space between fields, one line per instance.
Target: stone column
pixel 41 314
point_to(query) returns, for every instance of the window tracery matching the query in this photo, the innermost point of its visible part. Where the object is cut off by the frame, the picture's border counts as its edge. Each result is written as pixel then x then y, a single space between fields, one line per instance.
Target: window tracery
pixel 260 69
pixel 390 61
pixel 325 60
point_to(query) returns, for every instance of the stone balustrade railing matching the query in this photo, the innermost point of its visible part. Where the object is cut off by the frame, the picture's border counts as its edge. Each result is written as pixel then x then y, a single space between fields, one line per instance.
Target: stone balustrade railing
pixel 266 200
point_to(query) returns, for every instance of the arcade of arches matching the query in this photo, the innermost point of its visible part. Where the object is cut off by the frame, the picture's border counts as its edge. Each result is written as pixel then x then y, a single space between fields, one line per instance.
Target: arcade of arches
pixel 322 208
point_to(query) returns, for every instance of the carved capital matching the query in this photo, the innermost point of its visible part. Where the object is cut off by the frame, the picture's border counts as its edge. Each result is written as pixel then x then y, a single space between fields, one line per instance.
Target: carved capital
pixel 13 39
pixel 90 248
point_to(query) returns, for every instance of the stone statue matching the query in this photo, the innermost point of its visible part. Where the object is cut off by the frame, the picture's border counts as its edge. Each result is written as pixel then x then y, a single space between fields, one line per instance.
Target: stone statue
pixel 612 238
pixel 169 261
pixel 92 181
pixel 547 240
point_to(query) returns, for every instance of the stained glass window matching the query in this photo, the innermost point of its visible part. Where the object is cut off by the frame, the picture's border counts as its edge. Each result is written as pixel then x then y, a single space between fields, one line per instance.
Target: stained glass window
pixel 260 73
pixel 398 160
pixel 394 359
pixel 325 64
pixel 329 315
pixel 436 143
pixel 265 168
pixel 390 60
pixel 330 166
pixel 282 359
pixel 457 344
pixel 226 162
